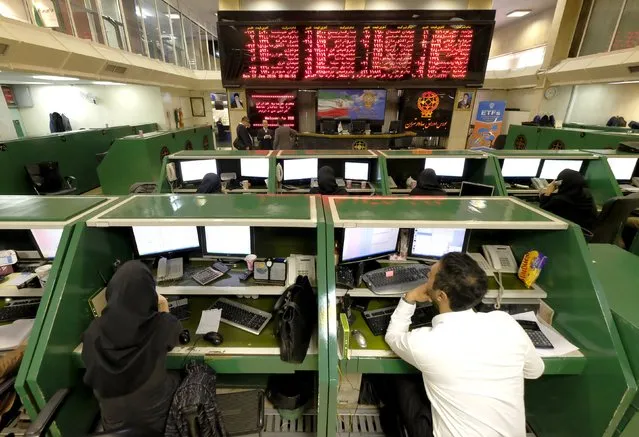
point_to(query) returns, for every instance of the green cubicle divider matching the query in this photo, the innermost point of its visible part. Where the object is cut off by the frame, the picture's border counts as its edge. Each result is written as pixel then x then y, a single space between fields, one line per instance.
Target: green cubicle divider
pixel 139 158
pixel 75 151
pixel 582 394
pixel 549 138
pixel 281 224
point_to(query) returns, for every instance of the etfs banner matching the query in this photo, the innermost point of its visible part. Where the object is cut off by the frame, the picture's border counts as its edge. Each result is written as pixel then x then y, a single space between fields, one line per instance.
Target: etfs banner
pixel 488 121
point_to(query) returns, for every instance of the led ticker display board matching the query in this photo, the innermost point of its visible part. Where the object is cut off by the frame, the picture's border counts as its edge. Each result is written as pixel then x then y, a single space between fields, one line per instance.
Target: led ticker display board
pixel 272 105
pixel 340 48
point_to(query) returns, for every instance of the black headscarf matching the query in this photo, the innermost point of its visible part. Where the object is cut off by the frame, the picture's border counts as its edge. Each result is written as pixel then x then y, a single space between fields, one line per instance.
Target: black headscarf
pixel 122 347
pixel 427 184
pixel 211 184
pixel 327 183
pixel 572 201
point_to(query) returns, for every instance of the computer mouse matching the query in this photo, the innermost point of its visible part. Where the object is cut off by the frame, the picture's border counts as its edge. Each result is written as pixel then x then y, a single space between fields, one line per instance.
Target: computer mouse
pixel 185 337
pixel 360 339
pixel 214 338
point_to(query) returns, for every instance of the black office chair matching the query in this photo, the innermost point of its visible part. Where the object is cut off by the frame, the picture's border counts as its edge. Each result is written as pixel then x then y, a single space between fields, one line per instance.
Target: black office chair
pixel 40 426
pixel 6 417
pixel 612 218
pixel 500 142
pixel 47 180
pixel 143 188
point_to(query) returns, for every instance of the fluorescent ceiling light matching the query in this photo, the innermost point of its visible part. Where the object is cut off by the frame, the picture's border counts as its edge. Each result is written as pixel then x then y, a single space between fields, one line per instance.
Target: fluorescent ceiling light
pixel 60 78
pixel 518 13
pixel 174 16
pixel 623 82
pixel 105 82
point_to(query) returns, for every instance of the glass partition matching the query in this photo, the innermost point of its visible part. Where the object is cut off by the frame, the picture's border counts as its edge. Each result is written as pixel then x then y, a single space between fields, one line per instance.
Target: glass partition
pixel 197 41
pixel 165 32
pixel 86 17
pixel 60 22
pixel 14 9
pixel 135 26
pixel 627 35
pixel 148 13
pixel 204 45
pixel 113 25
pixel 188 34
pixel 178 36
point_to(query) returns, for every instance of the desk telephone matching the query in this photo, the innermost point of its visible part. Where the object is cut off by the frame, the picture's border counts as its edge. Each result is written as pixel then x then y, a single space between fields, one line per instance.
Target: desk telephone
pixel 303 265
pixel 391 183
pixel 539 183
pixel 171 176
pixel 496 259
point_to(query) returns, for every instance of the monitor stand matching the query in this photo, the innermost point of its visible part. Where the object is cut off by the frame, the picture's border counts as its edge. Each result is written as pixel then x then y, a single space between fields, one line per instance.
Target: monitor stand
pixel 365 267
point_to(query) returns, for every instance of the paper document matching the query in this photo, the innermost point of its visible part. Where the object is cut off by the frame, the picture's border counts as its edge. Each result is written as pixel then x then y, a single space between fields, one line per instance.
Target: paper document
pixel 561 345
pixel 209 322
pixel 17 279
pixel 12 335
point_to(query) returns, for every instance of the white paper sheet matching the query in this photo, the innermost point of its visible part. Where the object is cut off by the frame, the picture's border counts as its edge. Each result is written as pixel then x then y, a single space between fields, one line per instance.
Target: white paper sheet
pixel 210 321
pixel 561 345
pixel 12 335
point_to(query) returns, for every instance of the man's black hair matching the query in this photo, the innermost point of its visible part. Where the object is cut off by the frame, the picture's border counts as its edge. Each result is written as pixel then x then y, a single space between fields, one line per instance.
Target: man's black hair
pixel 461 278
pixel 280 121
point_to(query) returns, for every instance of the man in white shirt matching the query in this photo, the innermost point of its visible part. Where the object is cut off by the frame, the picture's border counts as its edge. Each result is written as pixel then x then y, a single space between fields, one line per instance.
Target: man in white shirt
pixel 473 364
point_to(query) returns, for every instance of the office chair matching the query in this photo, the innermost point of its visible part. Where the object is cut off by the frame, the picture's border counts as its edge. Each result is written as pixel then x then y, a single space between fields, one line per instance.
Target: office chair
pixel 612 218
pixel 143 188
pixel 46 179
pixel 500 142
pixel 40 426
pixel 8 416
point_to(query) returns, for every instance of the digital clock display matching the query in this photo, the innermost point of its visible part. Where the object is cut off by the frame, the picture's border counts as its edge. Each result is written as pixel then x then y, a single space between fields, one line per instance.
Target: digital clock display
pixel 370 54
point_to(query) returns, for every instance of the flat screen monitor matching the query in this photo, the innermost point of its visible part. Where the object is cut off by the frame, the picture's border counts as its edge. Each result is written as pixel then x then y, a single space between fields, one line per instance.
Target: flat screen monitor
pixel 358 126
pixel 473 189
pixel 520 167
pixel 297 169
pixel 551 168
pixel 328 126
pixel 623 168
pixel 152 240
pixel 47 241
pixel 254 167
pixel 433 243
pixel 228 240
pixel 353 104
pixel 356 171
pixel 446 166
pixel 193 170
pixel 366 243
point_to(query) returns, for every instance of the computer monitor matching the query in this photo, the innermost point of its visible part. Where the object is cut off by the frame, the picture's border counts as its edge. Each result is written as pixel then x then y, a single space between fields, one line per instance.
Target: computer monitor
pixel 473 189
pixel 551 168
pixel 368 243
pixel 358 126
pixel 623 168
pixel 520 167
pixel 152 240
pixel 228 240
pixel 446 166
pixel 356 171
pixel 395 127
pixel 433 243
pixel 296 169
pixel 193 170
pixel 47 241
pixel 254 167
pixel 376 127
pixel 328 126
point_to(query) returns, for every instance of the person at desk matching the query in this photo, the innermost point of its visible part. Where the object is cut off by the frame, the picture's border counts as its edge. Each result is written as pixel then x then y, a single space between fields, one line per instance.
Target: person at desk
pixel 427 184
pixel 211 184
pixel 125 351
pixel 327 184
pixel 572 201
pixel 265 136
pixel 473 365
pixel 284 136
pixel 243 139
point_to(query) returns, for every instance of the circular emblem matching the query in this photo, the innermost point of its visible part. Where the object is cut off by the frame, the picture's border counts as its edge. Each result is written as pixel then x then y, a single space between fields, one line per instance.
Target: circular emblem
pixel 557 145
pixel 188 145
pixel 205 142
pixel 359 145
pixel 164 152
pixel 520 142
pixel 427 103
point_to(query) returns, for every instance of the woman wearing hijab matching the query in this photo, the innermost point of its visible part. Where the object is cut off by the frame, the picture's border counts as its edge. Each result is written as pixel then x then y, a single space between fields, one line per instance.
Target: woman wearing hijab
pixel 125 349
pixel 572 201
pixel 211 184
pixel 427 184
pixel 327 184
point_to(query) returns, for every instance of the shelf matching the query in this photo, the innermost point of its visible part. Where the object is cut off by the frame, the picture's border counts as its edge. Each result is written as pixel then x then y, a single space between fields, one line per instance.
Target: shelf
pixel 511 293
pixel 21 292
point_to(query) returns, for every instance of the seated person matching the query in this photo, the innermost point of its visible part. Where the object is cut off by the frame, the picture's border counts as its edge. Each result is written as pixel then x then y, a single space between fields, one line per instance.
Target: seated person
pixel 211 184
pixel 473 365
pixel 327 183
pixel 427 184
pixel 572 201
pixel 125 351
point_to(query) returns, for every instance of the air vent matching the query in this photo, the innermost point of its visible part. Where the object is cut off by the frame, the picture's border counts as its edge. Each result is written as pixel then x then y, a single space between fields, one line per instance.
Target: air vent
pixel 359 425
pixel 275 426
pixel 112 68
pixel 634 69
pixel 3 48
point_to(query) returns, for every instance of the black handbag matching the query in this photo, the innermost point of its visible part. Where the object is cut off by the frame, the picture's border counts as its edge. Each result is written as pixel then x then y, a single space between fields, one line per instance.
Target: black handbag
pixel 295 319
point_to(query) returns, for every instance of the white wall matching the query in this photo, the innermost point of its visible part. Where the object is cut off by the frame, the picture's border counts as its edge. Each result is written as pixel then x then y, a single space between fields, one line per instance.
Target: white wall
pixel 527 32
pixel 115 105
pixel 173 98
pixel 595 104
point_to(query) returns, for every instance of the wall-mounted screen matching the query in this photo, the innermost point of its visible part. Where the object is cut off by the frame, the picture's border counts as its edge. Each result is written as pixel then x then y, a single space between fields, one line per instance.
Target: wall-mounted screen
pixel 353 104
pixel 374 48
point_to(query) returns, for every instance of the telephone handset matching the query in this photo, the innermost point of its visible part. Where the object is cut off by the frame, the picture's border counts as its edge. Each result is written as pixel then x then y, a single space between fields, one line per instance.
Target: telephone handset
pixel 171 176
pixel 539 183
pixel 391 183
pixel 479 259
pixel 501 258
pixel 635 181
pixel 301 265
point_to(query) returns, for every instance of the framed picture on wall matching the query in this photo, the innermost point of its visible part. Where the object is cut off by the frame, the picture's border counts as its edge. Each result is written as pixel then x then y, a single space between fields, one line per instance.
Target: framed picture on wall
pixel 464 100
pixel 197 107
pixel 237 101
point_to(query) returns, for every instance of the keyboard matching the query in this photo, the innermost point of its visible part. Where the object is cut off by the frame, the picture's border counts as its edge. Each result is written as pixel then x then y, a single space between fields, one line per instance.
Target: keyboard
pixel 378 320
pixel 180 308
pixel 19 309
pixel 532 329
pixel 397 279
pixel 206 276
pixel 242 316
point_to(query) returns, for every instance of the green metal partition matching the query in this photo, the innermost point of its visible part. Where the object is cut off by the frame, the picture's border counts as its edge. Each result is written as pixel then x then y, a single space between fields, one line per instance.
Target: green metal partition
pixel 597 127
pixel 581 394
pixel 549 138
pixel 281 225
pixel 480 168
pixel 139 158
pixel 76 152
pixel 227 161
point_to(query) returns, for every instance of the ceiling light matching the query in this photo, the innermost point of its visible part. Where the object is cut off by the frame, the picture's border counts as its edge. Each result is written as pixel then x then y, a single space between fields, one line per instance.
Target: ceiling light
pixel 105 82
pixel 33 83
pixel 60 78
pixel 518 13
pixel 174 16
pixel 623 82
